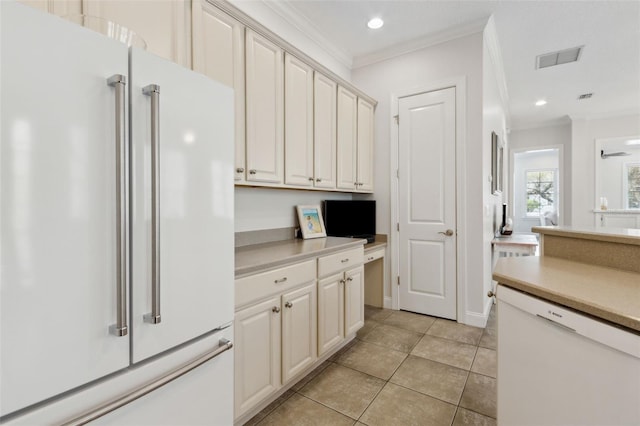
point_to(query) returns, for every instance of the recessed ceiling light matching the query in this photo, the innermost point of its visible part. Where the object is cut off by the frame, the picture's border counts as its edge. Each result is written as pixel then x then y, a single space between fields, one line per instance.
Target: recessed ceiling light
pixel 375 23
pixel 541 102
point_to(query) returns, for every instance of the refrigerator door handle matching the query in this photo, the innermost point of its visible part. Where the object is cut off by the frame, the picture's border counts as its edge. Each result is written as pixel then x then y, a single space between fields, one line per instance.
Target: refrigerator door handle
pixel 119 81
pixel 153 91
pixel 223 346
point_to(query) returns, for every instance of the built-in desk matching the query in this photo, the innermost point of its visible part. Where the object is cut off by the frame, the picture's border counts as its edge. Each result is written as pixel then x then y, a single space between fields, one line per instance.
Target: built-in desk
pixel 374 271
pixel 515 245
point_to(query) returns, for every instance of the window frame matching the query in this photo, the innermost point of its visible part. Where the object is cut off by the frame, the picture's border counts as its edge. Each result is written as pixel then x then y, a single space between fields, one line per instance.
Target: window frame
pixel 625 184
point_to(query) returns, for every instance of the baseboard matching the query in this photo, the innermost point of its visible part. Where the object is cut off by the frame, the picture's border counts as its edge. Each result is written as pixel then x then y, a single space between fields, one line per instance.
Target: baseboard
pixel 387 303
pixel 477 319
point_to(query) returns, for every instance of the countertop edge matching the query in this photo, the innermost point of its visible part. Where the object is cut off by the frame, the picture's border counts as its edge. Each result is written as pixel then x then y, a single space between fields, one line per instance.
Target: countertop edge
pixel 253 269
pixel 571 302
pixel 586 234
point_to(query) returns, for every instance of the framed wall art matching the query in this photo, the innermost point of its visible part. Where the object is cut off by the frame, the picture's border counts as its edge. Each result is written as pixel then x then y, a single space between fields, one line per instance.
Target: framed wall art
pixel 311 222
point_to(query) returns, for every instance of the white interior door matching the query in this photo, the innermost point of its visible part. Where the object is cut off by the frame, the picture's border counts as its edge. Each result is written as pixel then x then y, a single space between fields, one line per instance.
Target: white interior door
pixel 195 212
pixel 427 208
pixel 58 207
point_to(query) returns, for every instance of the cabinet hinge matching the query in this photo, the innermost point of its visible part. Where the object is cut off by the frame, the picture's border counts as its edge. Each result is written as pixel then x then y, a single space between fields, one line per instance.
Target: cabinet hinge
pixel 398 280
pixel 398 226
pixel 397 118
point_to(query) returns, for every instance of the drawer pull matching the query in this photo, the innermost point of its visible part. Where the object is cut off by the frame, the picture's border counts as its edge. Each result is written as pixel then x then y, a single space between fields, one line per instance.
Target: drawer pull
pixel 275 309
pixel 370 258
pixel 345 260
pixel 252 172
pixel 281 280
pixel 288 304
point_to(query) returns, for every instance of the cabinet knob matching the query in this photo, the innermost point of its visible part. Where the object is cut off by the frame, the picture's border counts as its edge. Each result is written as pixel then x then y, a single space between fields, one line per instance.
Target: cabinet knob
pixel 491 293
pixel 240 170
pixel 343 281
pixel 252 172
pixel 349 279
pixel 288 304
pixel 318 180
pixel 275 309
pixel 310 179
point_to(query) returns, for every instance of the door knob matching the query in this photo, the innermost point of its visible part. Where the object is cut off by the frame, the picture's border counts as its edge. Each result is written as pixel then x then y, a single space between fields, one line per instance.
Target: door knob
pixel 448 232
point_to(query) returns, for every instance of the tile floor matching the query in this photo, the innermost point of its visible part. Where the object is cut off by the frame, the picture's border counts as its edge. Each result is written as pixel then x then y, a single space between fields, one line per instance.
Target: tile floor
pixel 402 369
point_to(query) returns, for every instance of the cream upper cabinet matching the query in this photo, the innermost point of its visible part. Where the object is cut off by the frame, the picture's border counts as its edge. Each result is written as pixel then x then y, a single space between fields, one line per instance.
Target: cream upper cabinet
pixel 347 139
pixel 365 146
pixel 299 325
pixel 162 24
pixel 56 7
pixel 324 131
pixel 257 353
pixel 330 312
pixel 354 300
pixel 265 112
pixel 218 52
pixel 298 122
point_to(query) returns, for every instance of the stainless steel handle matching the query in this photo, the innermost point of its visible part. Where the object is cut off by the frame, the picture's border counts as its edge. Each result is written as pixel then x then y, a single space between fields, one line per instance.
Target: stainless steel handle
pixel 448 232
pixel 344 260
pixel 288 304
pixel 223 346
pixel 252 172
pixel 240 170
pixel 153 91
pixel 275 309
pixel 119 81
pixel 281 280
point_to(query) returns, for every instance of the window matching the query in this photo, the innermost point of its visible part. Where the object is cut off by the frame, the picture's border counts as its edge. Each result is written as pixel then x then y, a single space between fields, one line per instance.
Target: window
pixel 542 191
pixel 632 186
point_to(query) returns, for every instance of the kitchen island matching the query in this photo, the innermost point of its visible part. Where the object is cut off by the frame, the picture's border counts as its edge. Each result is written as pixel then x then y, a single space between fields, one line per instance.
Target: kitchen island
pixel 569 329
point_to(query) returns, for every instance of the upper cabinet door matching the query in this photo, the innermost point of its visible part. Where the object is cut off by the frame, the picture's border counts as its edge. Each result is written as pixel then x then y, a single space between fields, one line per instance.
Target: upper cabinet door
pixel 365 146
pixel 298 130
pixel 347 139
pixel 265 112
pixel 218 52
pixel 57 7
pixel 324 145
pixel 162 24
pixel 58 215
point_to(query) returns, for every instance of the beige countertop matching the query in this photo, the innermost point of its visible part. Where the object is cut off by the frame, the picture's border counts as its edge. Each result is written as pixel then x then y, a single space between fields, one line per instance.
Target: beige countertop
pixel 606 293
pixel 613 235
pixel 261 257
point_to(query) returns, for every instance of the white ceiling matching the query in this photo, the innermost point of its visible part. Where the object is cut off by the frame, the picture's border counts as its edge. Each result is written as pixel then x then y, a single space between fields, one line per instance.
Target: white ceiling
pixel 610 31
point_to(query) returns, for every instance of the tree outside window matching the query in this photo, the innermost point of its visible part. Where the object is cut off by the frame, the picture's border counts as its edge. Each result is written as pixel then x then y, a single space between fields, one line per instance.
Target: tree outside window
pixel 541 191
pixel 632 192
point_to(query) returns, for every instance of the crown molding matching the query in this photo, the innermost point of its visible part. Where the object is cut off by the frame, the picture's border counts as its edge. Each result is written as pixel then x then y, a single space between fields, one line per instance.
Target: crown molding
pixel 552 122
pixel 607 114
pixel 308 28
pixel 403 48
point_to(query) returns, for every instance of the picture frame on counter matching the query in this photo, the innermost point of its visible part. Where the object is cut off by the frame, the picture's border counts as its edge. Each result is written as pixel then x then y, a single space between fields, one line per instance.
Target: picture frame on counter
pixel 311 221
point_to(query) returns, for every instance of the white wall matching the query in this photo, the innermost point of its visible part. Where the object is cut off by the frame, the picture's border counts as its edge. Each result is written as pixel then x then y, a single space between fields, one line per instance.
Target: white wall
pixel 584 132
pixel 493 120
pixel 524 161
pixel 266 208
pixel 457 58
pixel 558 135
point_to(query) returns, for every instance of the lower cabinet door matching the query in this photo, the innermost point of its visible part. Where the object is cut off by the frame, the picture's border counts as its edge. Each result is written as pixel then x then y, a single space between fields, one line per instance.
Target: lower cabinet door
pixel 354 300
pixel 257 353
pixel 330 312
pixel 299 325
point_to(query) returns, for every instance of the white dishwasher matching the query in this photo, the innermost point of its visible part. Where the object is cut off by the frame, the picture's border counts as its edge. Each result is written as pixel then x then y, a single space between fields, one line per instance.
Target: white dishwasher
pixel 558 367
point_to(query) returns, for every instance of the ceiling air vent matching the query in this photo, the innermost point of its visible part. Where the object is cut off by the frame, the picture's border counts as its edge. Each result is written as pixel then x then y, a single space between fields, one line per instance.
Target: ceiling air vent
pixel 585 96
pixel 558 58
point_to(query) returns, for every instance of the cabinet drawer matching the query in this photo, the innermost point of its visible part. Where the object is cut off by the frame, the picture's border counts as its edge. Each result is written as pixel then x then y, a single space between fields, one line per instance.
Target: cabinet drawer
pixel 258 286
pixel 340 261
pixel 374 255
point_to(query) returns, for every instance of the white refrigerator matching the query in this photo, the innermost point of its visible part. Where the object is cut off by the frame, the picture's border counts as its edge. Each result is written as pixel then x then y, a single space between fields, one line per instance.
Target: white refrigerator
pixel 116 255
